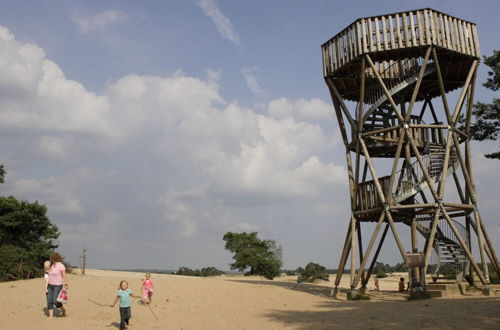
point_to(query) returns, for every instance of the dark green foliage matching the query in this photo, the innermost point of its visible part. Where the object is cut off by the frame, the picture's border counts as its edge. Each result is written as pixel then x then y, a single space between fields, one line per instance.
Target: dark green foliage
pixel 210 271
pixel 486 124
pixel 381 274
pixel 188 272
pixel 263 257
pixel 382 269
pixel 204 272
pixel 26 238
pixel 493 61
pixel 313 272
pixel 2 173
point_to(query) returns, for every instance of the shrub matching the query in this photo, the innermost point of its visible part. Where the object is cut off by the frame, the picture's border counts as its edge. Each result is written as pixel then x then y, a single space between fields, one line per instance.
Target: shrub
pixel 313 272
pixel 381 275
pixel 210 271
pixel 204 272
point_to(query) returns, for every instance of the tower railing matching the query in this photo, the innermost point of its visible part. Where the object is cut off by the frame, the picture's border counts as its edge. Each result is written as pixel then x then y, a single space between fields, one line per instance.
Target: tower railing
pixel 411 29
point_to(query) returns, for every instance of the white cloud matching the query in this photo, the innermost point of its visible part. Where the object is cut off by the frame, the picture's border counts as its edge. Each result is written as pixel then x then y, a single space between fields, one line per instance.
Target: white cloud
pixel 144 136
pixel 309 110
pixel 99 21
pixel 250 76
pixel 59 193
pixel 222 23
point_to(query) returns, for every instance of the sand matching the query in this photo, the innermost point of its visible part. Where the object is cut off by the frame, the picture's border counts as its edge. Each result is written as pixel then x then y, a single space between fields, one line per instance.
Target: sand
pixel 238 302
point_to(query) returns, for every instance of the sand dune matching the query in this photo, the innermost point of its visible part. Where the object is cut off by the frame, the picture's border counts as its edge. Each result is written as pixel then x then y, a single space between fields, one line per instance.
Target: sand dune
pixel 237 302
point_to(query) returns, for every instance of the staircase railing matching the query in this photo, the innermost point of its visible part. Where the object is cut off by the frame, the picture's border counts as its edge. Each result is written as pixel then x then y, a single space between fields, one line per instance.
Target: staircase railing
pixel 448 255
pixel 408 181
pixel 397 72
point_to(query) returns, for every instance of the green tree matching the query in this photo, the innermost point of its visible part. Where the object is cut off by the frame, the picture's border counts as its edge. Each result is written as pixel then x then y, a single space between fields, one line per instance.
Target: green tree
pixel 486 124
pixel 313 272
pixel 2 173
pixel 263 257
pixel 26 238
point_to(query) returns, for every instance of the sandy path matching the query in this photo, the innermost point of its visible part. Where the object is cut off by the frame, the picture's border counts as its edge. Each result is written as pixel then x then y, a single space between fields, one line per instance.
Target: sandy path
pixel 237 302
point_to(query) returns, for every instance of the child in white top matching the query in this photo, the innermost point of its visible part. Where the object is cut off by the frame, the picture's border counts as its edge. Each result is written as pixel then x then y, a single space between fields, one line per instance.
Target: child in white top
pixel 46 269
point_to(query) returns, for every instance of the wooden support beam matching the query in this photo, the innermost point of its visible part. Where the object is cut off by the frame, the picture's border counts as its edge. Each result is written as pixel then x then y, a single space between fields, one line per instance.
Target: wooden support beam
pixel 372 171
pixel 441 84
pixel 412 206
pixel 395 167
pixel 343 259
pixel 335 92
pixel 417 85
pixel 402 250
pixel 429 243
pixel 465 88
pixel 353 250
pixel 369 249
pixel 375 257
pixel 384 88
pixel 360 247
pixel 378 131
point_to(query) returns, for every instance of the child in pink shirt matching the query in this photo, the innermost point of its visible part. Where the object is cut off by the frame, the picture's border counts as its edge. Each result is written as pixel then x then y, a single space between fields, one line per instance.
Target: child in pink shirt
pixel 147 289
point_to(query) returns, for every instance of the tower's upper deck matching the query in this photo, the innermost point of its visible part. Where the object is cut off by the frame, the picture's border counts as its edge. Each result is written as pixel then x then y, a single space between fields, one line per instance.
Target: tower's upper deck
pixel 393 37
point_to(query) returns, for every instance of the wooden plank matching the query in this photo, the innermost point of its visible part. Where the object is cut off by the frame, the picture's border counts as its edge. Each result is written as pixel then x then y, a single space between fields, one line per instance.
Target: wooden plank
pixel 421 28
pixel 471 39
pixel 413 32
pixel 391 28
pixel 364 39
pixel 433 21
pixel 449 34
pixel 352 43
pixel 442 32
pixel 337 51
pixel 405 31
pixel 384 32
pixel 377 34
pixel 325 61
pixel 477 51
pixel 370 34
pixel 456 39
pixel 358 39
pixel 467 39
pixel 427 25
pixel 461 36
pixel 398 29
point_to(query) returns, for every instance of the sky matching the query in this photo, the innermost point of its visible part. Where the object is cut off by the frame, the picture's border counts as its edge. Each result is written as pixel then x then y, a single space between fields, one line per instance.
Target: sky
pixel 151 128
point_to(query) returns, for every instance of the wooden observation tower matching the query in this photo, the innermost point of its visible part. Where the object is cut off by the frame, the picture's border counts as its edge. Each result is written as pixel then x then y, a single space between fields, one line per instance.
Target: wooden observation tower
pixel 408 157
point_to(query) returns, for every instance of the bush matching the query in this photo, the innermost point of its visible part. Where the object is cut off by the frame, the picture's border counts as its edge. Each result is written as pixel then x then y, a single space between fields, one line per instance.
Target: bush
pixel 381 275
pixel 313 272
pixel 204 272
pixel 210 271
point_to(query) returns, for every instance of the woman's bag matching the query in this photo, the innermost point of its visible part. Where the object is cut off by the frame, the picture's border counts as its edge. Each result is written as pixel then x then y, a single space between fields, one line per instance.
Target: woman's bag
pixel 63 296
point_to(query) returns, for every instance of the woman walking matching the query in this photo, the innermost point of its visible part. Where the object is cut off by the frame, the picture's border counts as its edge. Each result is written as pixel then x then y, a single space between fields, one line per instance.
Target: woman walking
pixel 57 279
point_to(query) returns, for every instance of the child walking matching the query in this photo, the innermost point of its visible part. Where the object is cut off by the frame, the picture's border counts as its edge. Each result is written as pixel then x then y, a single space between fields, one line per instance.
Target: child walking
pixel 147 289
pixel 124 294
pixel 46 277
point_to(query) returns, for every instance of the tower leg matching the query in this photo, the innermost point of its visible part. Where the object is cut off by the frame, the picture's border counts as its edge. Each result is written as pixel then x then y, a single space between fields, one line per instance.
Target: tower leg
pixel 343 259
